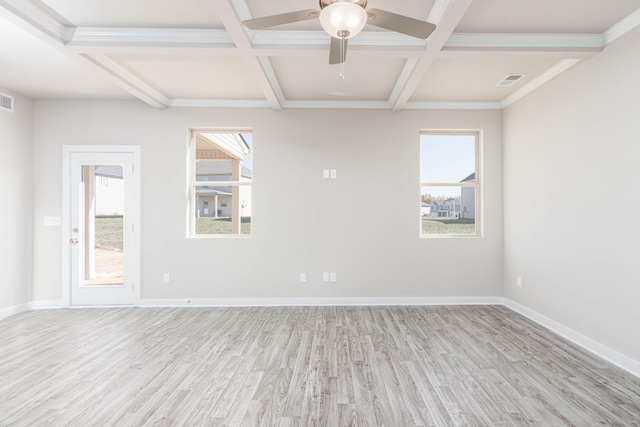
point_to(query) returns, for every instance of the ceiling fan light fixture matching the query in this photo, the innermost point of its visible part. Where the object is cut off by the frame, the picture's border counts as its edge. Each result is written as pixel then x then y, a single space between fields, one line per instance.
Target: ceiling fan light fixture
pixel 343 19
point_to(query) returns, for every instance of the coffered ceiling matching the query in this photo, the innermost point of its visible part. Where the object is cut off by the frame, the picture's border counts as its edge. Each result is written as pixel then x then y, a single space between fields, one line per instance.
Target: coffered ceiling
pixel 197 52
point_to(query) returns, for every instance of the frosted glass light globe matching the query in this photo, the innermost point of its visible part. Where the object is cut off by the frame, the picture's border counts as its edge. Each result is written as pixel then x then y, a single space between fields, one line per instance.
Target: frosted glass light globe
pixel 343 19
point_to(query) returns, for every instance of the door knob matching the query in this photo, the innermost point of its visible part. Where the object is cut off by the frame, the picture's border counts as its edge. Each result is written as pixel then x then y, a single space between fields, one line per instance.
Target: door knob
pixel 73 240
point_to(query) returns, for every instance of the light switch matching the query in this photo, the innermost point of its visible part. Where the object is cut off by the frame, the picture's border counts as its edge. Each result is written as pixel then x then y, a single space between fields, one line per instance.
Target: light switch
pixel 326 174
pixel 52 221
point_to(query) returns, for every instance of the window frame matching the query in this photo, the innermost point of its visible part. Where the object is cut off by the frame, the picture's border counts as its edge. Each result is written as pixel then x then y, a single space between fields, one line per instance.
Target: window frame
pixel 193 183
pixel 476 184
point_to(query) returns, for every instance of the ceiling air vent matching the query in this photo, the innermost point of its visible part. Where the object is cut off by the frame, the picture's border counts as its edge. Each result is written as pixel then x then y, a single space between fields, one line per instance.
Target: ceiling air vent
pixel 510 79
pixel 6 102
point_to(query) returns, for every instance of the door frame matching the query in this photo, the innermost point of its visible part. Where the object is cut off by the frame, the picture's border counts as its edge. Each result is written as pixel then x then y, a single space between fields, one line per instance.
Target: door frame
pixel 134 211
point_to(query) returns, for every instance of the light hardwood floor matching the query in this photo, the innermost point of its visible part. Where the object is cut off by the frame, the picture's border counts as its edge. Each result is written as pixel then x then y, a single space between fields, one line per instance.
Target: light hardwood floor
pixel 302 366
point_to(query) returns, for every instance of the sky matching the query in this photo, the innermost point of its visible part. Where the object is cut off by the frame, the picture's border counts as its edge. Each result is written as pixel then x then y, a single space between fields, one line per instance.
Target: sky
pixel 446 158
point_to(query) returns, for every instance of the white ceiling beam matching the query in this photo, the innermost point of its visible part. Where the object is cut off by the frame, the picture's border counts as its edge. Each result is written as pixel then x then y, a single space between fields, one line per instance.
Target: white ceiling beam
pixel 37 19
pixel 149 37
pixel 57 34
pixel 451 12
pixel 260 66
pixel 622 27
pixel 129 81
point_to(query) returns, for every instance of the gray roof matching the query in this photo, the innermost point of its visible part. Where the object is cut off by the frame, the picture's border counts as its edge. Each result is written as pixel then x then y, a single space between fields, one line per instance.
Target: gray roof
pixel 471 177
pixel 111 171
pixel 217 167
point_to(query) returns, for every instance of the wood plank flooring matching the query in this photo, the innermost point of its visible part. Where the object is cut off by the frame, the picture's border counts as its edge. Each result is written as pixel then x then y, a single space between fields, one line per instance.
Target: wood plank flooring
pixel 302 366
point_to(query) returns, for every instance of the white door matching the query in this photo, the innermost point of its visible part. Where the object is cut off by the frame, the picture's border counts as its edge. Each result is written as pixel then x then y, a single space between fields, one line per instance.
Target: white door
pixel 103 242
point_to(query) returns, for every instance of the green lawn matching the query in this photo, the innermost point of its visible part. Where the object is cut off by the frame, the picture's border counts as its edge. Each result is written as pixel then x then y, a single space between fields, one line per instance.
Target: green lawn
pixel 221 225
pixel 448 226
pixel 109 233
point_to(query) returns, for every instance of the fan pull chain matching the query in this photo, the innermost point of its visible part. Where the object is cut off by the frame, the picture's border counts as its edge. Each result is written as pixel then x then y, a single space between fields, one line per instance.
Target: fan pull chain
pixel 342 58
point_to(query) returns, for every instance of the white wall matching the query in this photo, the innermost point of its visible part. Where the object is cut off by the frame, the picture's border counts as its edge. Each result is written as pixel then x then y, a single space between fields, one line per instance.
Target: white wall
pixel 16 203
pixel 344 225
pixel 569 146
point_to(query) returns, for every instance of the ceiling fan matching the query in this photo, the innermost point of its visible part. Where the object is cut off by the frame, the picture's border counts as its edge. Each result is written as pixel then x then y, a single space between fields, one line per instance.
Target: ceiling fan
pixel 343 19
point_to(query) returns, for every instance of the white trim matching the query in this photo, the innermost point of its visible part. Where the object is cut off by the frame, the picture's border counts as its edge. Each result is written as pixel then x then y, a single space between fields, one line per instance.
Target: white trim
pixel 13 310
pixel 145 37
pixel 47 304
pixel 330 301
pixel 134 252
pixel 472 41
pixel 220 103
pixel 337 104
pixel 600 350
pixel 32 15
pixel 427 105
pixel 622 27
pixel 128 80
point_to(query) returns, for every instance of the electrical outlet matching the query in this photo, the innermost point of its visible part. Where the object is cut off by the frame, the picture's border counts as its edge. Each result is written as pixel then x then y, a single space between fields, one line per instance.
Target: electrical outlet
pixel 332 277
pixel 519 281
pixel 303 277
pixel 166 278
pixel 334 174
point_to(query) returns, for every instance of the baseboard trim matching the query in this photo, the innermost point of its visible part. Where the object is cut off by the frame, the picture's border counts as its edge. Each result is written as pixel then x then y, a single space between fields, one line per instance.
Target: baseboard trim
pixel 46 305
pixel 339 301
pixel 13 310
pixel 604 352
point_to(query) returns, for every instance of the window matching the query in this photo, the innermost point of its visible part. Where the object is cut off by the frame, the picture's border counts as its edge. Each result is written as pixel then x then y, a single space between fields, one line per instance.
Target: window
pixel 450 184
pixel 220 175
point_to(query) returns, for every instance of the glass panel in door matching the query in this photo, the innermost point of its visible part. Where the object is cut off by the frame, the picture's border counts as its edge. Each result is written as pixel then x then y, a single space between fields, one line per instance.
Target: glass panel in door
pixel 103 211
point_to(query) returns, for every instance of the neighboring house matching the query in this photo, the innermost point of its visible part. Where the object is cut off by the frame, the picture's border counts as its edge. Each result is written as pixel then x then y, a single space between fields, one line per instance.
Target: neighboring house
pixel 449 208
pixel 468 199
pixel 215 201
pixel 464 207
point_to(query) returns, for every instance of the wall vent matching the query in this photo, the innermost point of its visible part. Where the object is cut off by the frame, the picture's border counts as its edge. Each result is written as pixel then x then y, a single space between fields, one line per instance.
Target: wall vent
pixel 6 102
pixel 510 79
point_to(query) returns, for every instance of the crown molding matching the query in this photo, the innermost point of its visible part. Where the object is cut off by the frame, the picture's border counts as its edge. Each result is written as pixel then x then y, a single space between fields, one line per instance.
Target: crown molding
pixel 88 36
pixel 524 41
pixel 219 103
pixel 321 104
pixel 417 105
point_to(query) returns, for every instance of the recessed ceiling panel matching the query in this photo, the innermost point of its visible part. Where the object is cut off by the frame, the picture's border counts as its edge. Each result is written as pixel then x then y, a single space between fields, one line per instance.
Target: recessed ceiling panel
pixel 30 67
pixel 544 16
pixel 195 76
pixel 138 13
pixel 366 78
pixel 475 79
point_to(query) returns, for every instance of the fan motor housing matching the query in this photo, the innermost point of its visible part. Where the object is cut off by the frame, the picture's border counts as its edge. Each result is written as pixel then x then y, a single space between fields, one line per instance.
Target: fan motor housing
pixel 325 3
